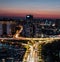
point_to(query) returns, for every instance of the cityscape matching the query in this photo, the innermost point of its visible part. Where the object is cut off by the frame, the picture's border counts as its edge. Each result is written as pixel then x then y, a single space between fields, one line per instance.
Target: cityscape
pixel 30 31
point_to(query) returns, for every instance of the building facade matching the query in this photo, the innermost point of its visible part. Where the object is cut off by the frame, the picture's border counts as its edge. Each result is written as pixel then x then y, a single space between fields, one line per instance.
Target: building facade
pixel 7 27
pixel 38 27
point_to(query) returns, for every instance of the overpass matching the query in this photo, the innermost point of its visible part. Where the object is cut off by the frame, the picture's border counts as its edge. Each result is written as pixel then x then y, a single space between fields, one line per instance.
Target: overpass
pixel 33 49
pixel 29 39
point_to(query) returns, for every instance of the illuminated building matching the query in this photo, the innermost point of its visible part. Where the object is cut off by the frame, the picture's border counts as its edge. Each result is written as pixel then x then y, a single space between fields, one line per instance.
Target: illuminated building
pixel 37 27
pixel 28 26
pixel 29 17
pixel 7 27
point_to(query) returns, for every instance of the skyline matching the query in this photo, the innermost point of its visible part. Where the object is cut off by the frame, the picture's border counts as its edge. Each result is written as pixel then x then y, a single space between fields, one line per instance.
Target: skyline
pixel 38 8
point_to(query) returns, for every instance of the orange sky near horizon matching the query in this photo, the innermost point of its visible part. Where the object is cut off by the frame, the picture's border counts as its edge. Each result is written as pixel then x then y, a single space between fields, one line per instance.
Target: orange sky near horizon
pixel 35 13
pixel 38 8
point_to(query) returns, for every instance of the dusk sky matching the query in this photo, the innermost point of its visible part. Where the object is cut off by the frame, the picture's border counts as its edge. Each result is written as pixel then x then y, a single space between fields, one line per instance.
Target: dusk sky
pixel 38 8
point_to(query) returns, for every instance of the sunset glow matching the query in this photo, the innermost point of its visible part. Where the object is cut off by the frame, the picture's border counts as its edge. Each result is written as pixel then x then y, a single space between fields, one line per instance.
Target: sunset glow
pixel 38 8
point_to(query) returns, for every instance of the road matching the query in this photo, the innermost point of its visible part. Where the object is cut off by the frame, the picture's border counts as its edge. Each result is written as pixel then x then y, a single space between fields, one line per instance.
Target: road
pixel 17 34
pixel 33 55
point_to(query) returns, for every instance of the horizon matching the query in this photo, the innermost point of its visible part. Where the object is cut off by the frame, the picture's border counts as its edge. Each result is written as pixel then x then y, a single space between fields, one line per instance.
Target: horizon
pixel 38 8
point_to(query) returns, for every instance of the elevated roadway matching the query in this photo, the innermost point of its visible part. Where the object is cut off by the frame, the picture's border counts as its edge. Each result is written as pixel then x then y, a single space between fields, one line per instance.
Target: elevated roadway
pixel 32 48
pixel 23 38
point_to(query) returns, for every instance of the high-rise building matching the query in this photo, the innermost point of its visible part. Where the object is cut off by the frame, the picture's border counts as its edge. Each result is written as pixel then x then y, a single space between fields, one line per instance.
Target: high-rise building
pixel 37 27
pixel 28 26
pixel 0 29
pixel 4 27
pixel 57 23
pixel 29 17
pixel 7 27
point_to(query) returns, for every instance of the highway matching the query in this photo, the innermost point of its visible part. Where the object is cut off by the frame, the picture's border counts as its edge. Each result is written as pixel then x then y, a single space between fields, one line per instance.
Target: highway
pixel 33 50
pixel 17 36
pixel 23 38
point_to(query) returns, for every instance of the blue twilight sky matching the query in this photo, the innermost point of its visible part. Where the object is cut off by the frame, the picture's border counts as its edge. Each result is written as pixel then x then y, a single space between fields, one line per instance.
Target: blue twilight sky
pixel 30 6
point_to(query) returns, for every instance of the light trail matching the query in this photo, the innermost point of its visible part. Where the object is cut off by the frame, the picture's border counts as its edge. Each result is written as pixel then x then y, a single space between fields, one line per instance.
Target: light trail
pixel 18 32
pixel 31 57
pixel 17 37
pixel 23 38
